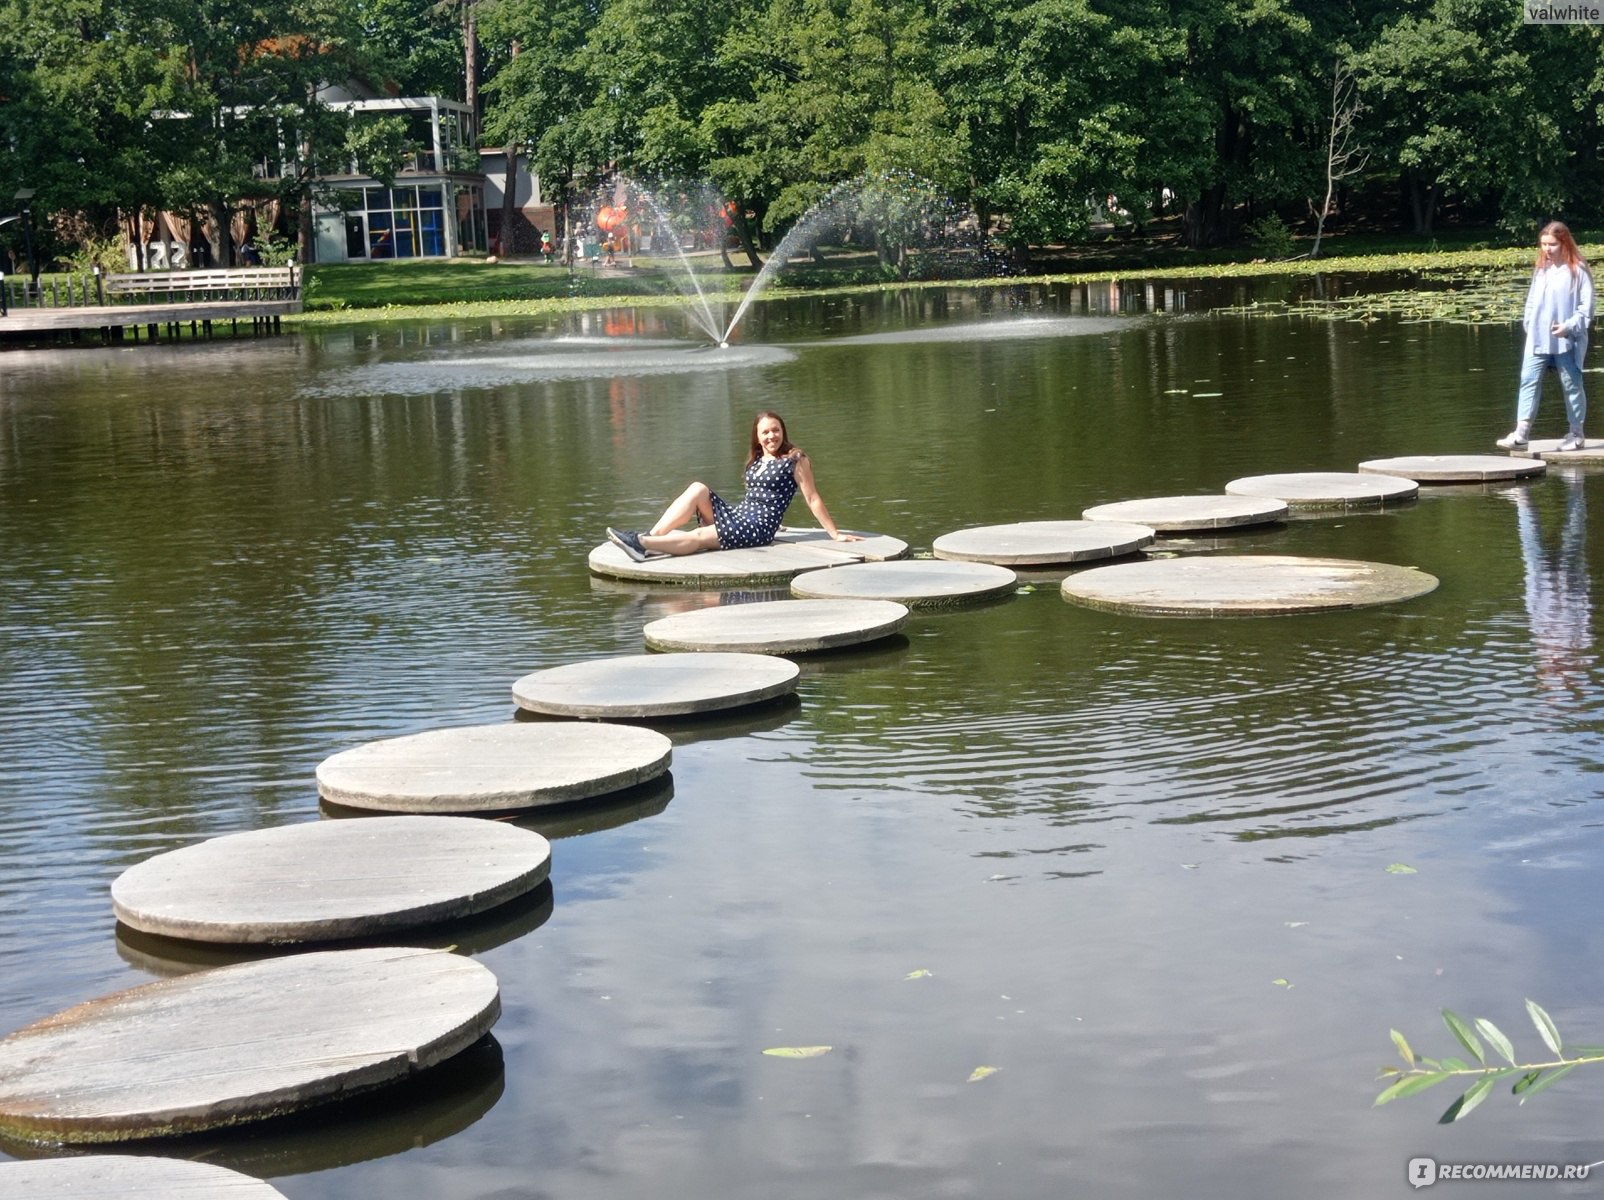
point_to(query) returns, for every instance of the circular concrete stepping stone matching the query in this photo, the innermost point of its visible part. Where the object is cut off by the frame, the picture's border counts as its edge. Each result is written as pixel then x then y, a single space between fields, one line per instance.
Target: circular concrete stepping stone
pixel 1244 585
pixel 492 768
pixel 1326 489
pixel 1548 450
pixel 1454 468
pixel 1183 514
pixel 921 583
pixel 240 1043
pixel 778 626
pixel 1036 542
pixel 330 879
pixel 656 685
pixel 792 552
pixel 128 1177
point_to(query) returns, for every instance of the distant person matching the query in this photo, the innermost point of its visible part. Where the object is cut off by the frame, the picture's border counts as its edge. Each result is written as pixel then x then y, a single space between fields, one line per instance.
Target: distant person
pixel 1559 310
pixel 775 471
pixel 546 249
pixel 249 255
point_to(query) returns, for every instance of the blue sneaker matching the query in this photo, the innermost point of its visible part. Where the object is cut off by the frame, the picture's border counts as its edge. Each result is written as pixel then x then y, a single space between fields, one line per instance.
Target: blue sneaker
pixel 628 541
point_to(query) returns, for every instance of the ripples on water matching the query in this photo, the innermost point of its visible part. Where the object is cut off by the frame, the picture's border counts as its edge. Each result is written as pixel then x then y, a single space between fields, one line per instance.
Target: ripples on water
pixel 224 563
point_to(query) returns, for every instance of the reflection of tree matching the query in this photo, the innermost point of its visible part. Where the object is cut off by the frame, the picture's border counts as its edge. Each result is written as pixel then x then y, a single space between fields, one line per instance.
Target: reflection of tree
pixel 1559 602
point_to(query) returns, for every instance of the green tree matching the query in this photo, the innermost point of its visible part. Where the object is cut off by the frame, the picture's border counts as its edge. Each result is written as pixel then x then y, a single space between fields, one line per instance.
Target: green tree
pixel 539 95
pixel 1455 107
pixel 78 82
pixel 244 120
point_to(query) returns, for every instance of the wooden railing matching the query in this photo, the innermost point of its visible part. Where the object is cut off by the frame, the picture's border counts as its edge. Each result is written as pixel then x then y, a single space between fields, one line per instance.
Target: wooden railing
pixel 245 283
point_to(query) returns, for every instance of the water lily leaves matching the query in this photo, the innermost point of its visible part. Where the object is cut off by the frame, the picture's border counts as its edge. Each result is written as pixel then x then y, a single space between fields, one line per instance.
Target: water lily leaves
pixel 1401 869
pixel 797 1051
pixel 980 1073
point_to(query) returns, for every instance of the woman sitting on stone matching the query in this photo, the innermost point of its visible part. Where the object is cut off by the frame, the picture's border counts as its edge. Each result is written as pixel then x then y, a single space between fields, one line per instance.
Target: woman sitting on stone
pixel 775 471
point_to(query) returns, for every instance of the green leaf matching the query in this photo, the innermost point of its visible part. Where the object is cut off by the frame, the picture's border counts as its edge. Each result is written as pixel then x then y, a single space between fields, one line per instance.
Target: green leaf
pixel 1461 1107
pixel 980 1073
pixel 1467 1039
pixel 1545 1026
pixel 1401 869
pixel 1496 1039
pixel 1524 1083
pixel 1454 1064
pixel 1407 1054
pixel 1547 1081
pixel 797 1051
pixel 1408 1087
pixel 921 973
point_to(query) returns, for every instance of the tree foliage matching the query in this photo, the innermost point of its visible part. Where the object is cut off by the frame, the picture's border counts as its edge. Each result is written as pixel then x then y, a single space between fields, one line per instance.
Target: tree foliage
pixel 1046 117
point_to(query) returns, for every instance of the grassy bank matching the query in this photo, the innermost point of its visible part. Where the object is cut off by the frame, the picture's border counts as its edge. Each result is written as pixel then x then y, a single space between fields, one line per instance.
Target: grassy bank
pixel 465 288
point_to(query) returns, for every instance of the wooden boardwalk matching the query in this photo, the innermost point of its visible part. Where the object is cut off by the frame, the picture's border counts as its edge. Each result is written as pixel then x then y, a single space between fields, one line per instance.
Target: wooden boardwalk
pixel 122 322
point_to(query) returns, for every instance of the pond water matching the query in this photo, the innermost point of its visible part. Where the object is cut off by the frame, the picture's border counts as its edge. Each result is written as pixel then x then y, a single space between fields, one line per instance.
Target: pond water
pixel 1140 867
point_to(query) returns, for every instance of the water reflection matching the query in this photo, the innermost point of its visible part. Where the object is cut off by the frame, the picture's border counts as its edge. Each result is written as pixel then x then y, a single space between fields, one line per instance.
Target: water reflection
pixel 1067 817
pixel 164 956
pixel 1559 596
pixel 426 1108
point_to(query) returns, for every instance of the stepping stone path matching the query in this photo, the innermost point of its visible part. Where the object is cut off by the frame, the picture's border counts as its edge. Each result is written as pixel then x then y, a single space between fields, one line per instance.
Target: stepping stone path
pixel 792 552
pixel 1034 543
pixel 778 626
pixel 128 1177
pixel 1455 468
pixel 325 880
pixel 493 768
pixel 1244 585
pixel 1183 514
pixel 1339 490
pixel 1548 450
pixel 656 685
pixel 918 584
pixel 240 1043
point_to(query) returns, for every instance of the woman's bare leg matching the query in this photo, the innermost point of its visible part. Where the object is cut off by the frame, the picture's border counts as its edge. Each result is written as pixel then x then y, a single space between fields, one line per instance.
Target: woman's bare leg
pixel 694 501
pixel 681 541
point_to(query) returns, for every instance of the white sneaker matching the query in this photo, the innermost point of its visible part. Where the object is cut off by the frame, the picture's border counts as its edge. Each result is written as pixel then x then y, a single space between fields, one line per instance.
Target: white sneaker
pixel 1511 441
pixel 1572 441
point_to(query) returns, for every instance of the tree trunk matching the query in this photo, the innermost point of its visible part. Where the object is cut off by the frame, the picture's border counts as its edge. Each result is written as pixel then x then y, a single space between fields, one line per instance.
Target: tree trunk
pixel 470 60
pixel 1422 203
pixel 1204 222
pixel 744 232
pixel 222 239
pixel 509 199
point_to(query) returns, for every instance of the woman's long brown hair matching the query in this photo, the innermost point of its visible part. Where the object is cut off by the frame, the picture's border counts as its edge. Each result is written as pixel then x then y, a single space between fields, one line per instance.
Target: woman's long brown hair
pixel 785 437
pixel 1568 250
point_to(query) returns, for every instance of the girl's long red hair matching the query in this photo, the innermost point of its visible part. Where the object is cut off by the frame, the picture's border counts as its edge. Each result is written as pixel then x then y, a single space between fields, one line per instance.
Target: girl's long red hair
pixel 1568 251
pixel 785 436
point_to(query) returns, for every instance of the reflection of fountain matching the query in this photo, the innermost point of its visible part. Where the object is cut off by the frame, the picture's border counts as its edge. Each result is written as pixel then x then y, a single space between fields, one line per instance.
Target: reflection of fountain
pixel 1559 601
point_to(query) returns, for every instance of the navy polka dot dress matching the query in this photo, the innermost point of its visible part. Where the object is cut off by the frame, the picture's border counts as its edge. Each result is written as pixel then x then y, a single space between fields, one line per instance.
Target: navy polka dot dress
pixel 770 484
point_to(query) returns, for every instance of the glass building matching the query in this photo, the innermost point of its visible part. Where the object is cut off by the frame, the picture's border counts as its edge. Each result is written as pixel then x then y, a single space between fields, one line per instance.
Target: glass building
pixel 434 209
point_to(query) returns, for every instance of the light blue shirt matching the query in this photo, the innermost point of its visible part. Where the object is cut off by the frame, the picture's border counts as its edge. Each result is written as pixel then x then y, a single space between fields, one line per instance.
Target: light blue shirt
pixel 1558 296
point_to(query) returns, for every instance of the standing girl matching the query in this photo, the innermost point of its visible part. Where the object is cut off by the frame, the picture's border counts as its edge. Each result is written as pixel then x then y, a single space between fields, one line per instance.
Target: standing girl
pixel 1559 309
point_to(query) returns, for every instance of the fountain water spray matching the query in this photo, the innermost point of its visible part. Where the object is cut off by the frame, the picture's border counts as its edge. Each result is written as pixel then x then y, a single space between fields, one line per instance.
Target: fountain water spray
pixel 898 211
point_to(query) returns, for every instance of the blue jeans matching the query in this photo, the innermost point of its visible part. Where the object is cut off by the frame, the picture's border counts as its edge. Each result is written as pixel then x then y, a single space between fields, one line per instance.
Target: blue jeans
pixel 1570 382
